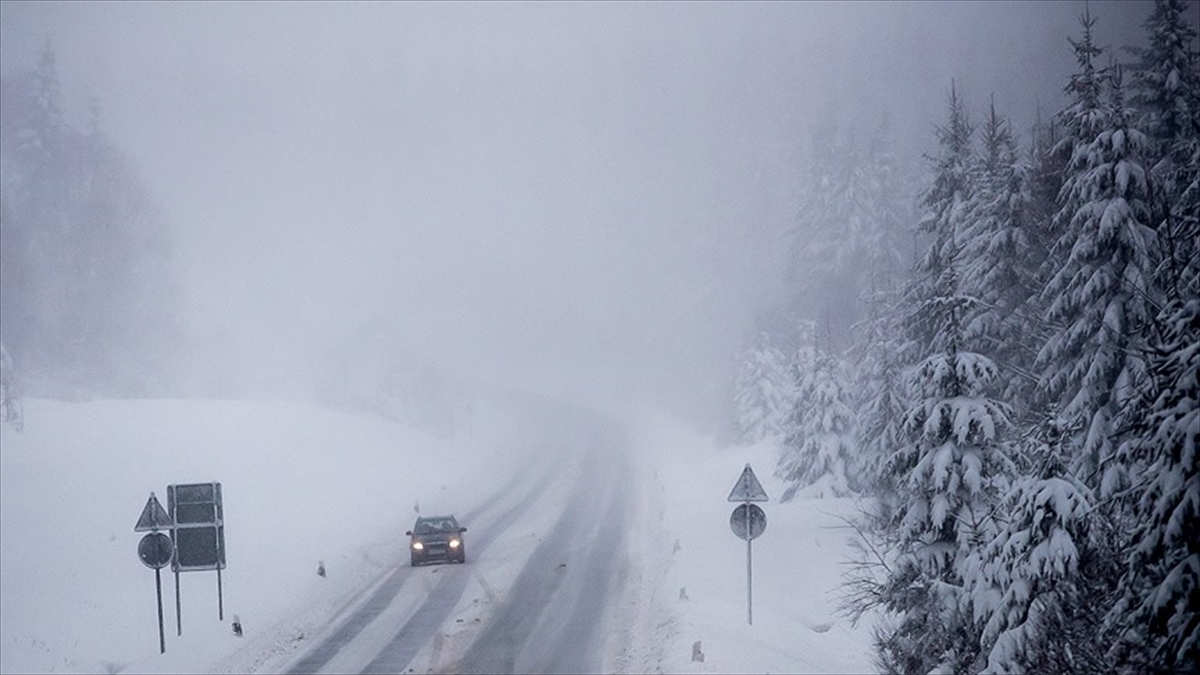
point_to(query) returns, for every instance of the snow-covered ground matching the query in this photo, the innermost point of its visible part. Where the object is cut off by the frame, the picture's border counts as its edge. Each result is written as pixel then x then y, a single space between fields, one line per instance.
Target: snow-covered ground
pixel 797 565
pixel 303 483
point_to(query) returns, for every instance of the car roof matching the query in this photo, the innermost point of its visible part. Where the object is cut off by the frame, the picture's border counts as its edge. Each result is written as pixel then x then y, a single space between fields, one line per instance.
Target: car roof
pixel 424 518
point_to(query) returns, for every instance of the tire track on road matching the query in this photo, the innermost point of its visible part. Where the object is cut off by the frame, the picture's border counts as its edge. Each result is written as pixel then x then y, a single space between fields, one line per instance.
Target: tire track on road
pixel 385 592
pixel 588 530
pixel 433 612
pixel 579 643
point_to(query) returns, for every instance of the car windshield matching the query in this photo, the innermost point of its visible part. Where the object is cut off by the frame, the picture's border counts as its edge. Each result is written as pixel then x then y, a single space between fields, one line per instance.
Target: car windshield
pixel 435 526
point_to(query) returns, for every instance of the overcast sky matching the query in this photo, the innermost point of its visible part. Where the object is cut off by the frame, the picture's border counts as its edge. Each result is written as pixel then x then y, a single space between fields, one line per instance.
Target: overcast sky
pixel 568 190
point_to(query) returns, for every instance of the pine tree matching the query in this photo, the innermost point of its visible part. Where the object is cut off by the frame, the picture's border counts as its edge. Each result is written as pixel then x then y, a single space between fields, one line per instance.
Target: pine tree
pixel 36 129
pixel 881 398
pixel 1000 260
pixel 1165 80
pixel 1166 91
pixel 1159 608
pixel 10 392
pixel 883 211
pixel 945 210
pixel 1100 297
pixel 763 392
pixel 36 193
pixel 1028 587
pixel 822 251
pixel 952 467
pixel 952 462
pixel 820 453
pixel 1159 593
pixel 1048 160
pixel 85 288
pixel 849 223
pixel 14 279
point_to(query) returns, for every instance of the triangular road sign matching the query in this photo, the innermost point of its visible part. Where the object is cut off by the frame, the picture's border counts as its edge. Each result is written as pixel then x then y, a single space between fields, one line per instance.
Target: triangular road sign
pixel 748 489
pixel 154 517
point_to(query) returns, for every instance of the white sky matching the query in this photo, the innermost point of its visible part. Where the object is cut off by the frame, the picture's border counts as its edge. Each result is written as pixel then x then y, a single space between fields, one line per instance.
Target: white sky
pixel 558 190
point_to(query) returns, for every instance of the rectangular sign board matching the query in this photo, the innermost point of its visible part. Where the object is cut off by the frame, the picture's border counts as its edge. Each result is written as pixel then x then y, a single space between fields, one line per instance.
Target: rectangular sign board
pixel 199 533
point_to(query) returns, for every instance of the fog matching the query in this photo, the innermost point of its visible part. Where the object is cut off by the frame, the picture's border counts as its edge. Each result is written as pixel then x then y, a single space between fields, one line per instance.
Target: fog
pixel 580 197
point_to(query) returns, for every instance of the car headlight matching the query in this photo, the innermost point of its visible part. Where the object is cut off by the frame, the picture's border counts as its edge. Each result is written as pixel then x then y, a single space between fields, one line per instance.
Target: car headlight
pixel 418 546
pixel 454 543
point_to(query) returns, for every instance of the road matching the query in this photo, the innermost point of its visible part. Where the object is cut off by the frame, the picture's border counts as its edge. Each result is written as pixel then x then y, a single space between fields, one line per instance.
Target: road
pixel 547 598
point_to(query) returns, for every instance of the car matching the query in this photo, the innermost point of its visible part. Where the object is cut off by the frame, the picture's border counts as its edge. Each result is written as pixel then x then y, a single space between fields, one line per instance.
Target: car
pixel 436 538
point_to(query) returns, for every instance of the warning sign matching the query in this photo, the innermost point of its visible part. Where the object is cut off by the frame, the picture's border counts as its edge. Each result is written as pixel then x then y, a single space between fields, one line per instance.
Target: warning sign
pixel 748 489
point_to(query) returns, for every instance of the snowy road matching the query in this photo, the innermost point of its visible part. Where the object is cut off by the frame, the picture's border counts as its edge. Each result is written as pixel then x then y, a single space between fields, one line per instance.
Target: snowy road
pixel 552 619
pixel 546 588
pixel 584 538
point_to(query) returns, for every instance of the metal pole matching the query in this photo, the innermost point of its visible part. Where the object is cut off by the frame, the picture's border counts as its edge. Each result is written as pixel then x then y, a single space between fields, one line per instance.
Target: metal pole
pixel 162 639
pixel 749 572
pixel 220 596
pixel 178 613
pixel 749 588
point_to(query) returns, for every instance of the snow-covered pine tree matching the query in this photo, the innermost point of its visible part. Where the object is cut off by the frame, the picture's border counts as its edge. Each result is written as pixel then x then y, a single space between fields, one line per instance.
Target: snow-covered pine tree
pixel 763 392
pixel 10 394
pixel 879 388
pixel 35 126
pixel 1048 159
pixel 879 383
pixel 836 221
pixel 819 455
pixel 953 465
pixel 850 221
pixel 1029 587
pixel 822 252
pixel 86 289
pixel 1166 92
pixel 33 143
pixel 885 211
pixel 1000 260
pixel 1100 299
pixel 944 205
pixel 1165 82
pixel 949 448
pixel 1158 612
pixel 13 277
pixel 798 365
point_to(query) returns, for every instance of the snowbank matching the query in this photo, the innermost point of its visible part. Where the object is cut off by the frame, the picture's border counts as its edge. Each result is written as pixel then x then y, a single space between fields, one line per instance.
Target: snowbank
pixel 300 484
pixel 797 565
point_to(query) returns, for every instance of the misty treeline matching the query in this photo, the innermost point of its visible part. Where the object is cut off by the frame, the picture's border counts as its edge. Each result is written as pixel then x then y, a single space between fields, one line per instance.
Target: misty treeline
pixel 87 298
pixel 1018 396
pixel 90 292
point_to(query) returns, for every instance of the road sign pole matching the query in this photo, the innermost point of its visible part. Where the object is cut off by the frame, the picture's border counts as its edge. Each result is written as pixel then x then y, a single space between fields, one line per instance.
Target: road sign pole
pixel 162 638
pixel 178 612
pixel 749 573
pixel 748 489
pixel 156 550
pixel 220 597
